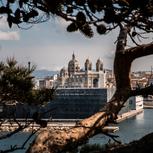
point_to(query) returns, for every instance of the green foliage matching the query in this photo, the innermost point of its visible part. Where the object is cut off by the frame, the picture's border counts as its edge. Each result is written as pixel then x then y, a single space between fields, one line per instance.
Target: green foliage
pixel 86 30
pixel 81 25
pixel 83 28
pixel 81 18
pixel 82 13
pixel 16 84
pixel 42 96
pixel 80 2
pixel 72 27
pixel 101 29
pixel 15 81
pixel 54 6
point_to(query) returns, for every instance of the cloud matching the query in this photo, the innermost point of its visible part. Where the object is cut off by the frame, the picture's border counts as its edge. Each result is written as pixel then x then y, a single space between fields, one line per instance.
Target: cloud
pixel 62 22
pixel 5 33
pixel 13 35
pixel 3 23
pixel 110 55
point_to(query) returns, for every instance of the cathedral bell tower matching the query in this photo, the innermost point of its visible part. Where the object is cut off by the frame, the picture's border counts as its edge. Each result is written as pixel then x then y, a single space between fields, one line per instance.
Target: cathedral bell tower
pixel 88 65
pixel 99 65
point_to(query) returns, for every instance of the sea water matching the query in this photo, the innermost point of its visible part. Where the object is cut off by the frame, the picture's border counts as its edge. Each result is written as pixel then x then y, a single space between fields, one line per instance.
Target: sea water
pixel 129 130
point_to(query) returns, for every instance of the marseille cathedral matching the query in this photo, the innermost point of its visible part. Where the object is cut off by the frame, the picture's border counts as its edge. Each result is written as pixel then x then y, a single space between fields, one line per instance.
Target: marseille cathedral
pixel 74 77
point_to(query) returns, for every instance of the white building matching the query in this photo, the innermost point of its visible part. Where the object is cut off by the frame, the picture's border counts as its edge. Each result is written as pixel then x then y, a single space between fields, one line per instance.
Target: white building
pixel 74 77
pixel 136 102
pixel 48 82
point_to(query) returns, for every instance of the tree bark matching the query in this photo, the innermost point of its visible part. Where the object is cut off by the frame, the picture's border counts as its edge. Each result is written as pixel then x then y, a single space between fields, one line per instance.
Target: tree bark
pixel 61 140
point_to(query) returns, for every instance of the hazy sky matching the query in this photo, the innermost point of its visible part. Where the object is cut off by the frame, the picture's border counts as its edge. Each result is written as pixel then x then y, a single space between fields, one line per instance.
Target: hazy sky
pixel 49 46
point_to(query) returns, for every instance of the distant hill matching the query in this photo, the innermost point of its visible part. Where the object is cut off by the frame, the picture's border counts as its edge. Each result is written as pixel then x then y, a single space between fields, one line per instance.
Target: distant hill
pixel 43 73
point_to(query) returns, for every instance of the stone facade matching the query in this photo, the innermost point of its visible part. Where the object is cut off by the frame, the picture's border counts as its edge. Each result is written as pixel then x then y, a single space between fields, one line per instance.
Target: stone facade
pixel 74 77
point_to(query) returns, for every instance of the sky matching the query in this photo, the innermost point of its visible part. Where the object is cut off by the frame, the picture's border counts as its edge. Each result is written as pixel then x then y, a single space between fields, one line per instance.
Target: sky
pixel 49 46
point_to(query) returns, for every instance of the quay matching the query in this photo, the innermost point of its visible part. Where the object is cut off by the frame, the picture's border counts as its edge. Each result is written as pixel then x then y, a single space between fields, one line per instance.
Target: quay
pixel 67 123
pixel 57 125
pixel 148 105
pixel 129 114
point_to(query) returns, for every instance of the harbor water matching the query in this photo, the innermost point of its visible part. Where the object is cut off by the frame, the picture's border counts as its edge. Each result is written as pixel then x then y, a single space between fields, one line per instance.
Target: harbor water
pixel 129 130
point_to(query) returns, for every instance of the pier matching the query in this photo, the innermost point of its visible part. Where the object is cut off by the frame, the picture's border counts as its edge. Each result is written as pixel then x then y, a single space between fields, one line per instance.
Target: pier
pixel 67 123
pixel 148 104
pixel 53 125
pixel 129 114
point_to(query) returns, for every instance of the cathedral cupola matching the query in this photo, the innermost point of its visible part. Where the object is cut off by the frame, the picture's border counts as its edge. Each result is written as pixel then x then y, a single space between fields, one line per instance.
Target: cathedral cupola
pixel 73 65
pixel 63 72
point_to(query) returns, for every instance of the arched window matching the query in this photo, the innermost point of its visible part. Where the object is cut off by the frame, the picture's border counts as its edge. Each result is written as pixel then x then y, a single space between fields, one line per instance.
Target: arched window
pixel 95 82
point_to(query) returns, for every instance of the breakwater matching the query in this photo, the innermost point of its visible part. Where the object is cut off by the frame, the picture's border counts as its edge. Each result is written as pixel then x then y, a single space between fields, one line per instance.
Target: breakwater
pixel 148 104
pixel 129 114
pixel 33 126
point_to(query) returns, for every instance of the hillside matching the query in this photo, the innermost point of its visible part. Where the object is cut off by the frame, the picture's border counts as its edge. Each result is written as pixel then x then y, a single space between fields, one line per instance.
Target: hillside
pixel 43 73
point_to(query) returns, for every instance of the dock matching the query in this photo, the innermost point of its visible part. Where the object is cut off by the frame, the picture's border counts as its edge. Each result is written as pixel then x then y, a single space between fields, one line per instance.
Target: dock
pixel 129 114
pixel 148 105
pixel 66 124
pixel 51 125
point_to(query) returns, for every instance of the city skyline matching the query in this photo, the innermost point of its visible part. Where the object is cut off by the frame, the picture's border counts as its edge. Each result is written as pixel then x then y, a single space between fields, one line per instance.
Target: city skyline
pixel 49 46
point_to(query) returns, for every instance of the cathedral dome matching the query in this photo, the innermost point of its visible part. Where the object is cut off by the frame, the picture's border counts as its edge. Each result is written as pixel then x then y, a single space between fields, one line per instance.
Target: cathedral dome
pixel 63 72
pixel 73 65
